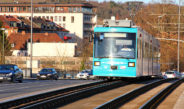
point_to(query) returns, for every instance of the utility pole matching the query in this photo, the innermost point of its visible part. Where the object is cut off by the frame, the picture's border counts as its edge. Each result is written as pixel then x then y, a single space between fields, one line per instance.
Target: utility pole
pixel 178 65
pixel 31 40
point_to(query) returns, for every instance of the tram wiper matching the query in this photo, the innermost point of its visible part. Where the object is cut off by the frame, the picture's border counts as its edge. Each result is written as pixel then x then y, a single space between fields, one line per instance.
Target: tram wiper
pixel 103 57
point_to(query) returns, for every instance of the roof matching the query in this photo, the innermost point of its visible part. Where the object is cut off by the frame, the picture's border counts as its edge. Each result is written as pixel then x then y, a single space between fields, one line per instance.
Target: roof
pixel 8 65
pixel 48 4
pixel 20 39
pixel 38 23
pixel 7 19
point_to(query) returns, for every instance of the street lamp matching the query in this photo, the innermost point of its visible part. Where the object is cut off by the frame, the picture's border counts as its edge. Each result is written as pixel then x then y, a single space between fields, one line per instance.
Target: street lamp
pixel 31 40
pixel 3 57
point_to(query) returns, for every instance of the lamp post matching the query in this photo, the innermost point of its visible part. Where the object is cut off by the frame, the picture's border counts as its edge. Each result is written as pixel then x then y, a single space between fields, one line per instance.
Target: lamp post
pixel 178 65
pixel 3 57
pixel 31 40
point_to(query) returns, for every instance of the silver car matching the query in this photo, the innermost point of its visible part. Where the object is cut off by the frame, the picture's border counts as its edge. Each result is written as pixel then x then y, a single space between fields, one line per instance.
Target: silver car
pixel 172 74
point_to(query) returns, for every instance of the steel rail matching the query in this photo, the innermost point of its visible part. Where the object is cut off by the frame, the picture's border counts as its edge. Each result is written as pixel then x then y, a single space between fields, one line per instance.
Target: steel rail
pixel 119 101
pixel 157 99
pixel 26 99
pixel 66 99
pixel 50 100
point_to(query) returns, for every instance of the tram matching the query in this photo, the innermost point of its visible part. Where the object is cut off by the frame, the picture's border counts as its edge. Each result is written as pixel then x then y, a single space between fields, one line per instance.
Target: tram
pixel 122 49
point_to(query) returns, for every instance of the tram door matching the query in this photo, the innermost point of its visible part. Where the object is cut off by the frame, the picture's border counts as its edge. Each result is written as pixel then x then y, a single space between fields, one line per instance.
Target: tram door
pixel 141 56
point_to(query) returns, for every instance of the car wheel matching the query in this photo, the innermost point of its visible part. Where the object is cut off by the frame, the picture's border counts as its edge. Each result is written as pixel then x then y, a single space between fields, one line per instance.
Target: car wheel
pixel 56 78
pixel 20 81
pixel 87 78
pixel 13 79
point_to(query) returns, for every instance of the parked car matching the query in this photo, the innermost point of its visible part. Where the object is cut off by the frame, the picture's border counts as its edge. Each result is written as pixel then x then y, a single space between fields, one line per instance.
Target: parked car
pixel 84 74
pixel 182 74
pixel 172 74
pixel 11 73
pixel 48 73
pixel 91 76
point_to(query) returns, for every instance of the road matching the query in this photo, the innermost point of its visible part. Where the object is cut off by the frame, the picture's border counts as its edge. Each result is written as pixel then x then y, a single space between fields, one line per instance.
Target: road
pixel 10 90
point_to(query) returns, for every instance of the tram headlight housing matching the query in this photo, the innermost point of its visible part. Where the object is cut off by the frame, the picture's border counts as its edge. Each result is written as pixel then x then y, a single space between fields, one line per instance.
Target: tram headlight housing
pixel 97 63
pixel 131 64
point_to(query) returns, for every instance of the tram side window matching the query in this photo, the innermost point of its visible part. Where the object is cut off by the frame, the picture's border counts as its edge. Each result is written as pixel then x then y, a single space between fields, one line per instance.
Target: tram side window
pixel 138 48
pixel 155 55
pixel 150 52
pixel 146 50
pixel 158 57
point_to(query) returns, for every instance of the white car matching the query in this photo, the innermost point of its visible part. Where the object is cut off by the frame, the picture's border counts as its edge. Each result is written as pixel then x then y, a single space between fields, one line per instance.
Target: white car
pixel 83 75
pixel 172 74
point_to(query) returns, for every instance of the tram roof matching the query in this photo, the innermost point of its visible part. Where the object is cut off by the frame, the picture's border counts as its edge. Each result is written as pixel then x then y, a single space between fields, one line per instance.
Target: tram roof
pixel 116 29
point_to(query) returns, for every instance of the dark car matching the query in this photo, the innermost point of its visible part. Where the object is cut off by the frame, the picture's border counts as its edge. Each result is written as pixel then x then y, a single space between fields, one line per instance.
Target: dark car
pixel 11 73
pixel 47 73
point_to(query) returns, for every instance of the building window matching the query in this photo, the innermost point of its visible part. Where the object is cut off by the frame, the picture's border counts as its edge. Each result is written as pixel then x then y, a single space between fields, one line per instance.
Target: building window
pixel 72 19
pixel 64 25
pixel 47 17
pixel 64 18
pixel 24 8
pixel 51 18
pixel 58 8
pixel 70 9
pixel 8 9
pixel 29 9
pixel 11 9
pixel 59 18
pixel 20 9
pixel 74 10
pixel 56 18
pixel 78 9
pixel 13 45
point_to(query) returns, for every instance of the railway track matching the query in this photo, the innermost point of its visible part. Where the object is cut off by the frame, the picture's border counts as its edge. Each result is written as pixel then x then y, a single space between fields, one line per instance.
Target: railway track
pixel 60 97
pixel 124 99
pixel 157 99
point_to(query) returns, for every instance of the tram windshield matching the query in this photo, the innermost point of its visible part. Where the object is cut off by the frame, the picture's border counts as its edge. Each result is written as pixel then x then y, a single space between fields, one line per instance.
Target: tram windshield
pixel 115 45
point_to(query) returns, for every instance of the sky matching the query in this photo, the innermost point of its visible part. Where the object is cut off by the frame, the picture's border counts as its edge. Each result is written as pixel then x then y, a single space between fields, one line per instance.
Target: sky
pixel 145 1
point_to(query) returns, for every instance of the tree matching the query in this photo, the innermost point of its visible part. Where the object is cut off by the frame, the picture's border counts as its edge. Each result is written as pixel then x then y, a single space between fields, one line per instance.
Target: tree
pixel 161 20
pixel 86 49
pixel 6 47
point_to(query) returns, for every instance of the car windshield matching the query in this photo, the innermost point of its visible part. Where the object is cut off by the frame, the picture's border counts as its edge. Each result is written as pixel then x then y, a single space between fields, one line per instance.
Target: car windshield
pixel 6 67
pixel 169 72
pixel 115 45
pixel 46 70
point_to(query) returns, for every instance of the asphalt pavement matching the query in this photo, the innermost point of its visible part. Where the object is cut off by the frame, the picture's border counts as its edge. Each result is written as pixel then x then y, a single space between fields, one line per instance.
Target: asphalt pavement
pixel 10 90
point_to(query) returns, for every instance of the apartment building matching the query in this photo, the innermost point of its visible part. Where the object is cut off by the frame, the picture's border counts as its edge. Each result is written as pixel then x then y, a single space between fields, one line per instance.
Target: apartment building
pixel 14 24
pixel 79 19
pixel 44 44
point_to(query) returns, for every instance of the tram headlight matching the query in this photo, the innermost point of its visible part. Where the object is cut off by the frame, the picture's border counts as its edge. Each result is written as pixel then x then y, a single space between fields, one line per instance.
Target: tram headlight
pixel 131 64
pixel 97 63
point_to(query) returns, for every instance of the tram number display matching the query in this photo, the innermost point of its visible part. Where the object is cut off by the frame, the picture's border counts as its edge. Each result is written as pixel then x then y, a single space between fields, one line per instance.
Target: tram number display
pixel 123 42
